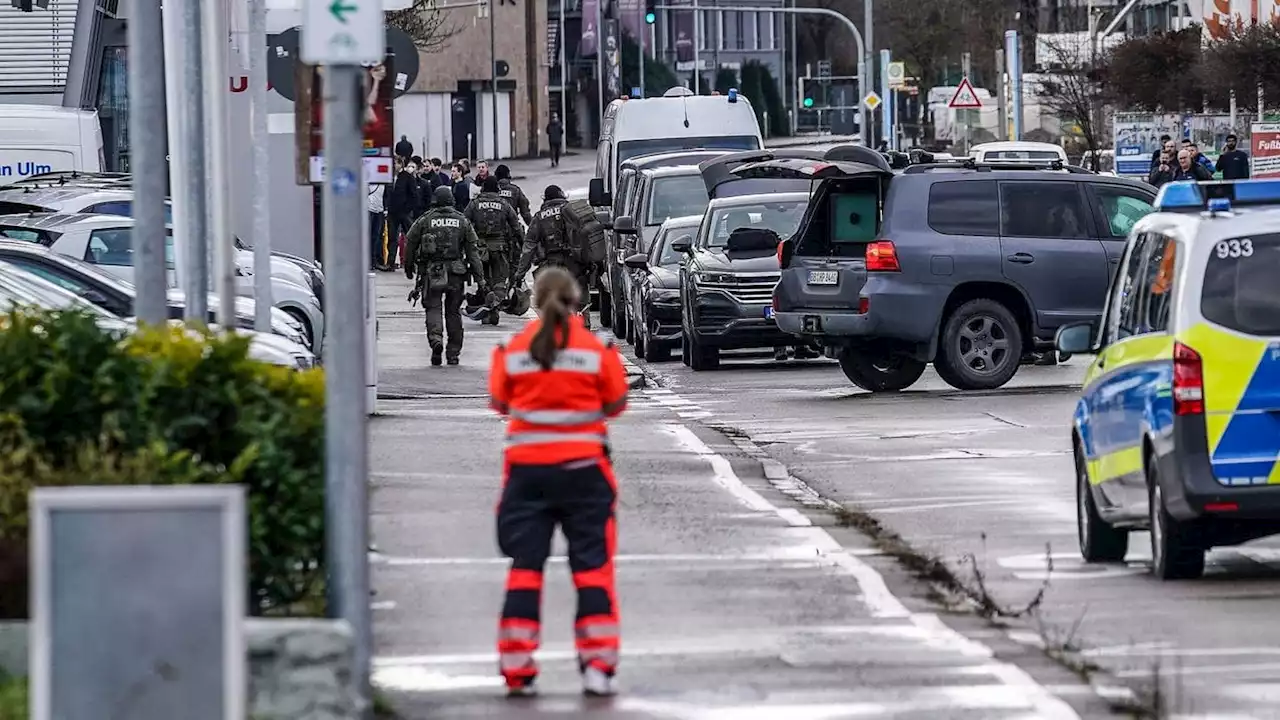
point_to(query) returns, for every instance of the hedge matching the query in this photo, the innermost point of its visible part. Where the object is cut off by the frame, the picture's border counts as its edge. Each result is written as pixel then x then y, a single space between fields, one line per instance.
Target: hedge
pixel 166 406
pixel 13 698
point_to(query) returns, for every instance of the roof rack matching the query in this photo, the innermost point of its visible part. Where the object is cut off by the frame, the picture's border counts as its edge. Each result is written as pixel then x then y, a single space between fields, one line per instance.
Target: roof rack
pixel 988 166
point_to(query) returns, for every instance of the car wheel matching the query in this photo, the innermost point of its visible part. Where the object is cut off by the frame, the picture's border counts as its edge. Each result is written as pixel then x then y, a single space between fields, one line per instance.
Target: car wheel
pixel 654 350
pixel 620 328
pixel 879 371
pixel 630 331
pixel 981 346
pixel 640 342
pixel 700 356
pixel 1175 554
pixel 684 349
pixel 606 307
pixel 307 332
pixel 1099 541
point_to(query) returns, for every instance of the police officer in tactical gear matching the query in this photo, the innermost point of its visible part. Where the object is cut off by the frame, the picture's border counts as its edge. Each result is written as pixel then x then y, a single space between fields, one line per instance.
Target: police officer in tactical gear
pixel 444 250
pixel 498 227
pixel 555 241
pixel 512 193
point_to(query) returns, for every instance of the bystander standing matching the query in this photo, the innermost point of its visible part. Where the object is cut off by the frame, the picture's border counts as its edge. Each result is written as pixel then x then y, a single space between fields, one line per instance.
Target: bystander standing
pixel 1233 162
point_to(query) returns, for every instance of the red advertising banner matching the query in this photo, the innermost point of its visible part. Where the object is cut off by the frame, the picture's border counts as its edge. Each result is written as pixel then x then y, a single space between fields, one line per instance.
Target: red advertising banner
pixel 376 97
pixel 1264 150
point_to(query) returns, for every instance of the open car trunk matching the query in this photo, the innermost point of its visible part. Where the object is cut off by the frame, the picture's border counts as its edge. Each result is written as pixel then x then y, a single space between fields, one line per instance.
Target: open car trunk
pixel 786 170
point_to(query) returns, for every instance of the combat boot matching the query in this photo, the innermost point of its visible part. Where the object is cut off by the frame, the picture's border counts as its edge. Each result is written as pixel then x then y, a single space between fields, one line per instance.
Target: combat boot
pixel 453 361
pixel 493 317
pixel 436 356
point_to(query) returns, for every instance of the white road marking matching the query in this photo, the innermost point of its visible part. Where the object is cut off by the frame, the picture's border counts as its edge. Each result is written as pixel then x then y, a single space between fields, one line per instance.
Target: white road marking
pixel 383 605
pixel 790 553
pixel 875 593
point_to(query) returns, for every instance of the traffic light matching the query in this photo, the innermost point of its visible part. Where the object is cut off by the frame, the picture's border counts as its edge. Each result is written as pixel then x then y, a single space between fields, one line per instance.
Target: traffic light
pixel 650 11
pixel 814 93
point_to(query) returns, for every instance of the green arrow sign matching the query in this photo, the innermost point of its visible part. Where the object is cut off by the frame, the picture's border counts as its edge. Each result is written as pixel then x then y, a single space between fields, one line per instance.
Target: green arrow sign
pixel 340 10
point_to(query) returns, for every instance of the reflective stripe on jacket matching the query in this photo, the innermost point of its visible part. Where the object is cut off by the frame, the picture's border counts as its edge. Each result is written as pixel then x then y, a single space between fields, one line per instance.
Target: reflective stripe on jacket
pixel 559 414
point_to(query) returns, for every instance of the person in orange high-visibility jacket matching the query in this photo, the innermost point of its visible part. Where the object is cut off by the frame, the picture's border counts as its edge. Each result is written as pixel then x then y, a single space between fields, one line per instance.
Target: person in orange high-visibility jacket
pixel 558 384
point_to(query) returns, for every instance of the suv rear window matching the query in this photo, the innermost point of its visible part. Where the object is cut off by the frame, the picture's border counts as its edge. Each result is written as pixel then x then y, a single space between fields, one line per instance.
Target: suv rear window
pixel 1240 289
pixel 965 207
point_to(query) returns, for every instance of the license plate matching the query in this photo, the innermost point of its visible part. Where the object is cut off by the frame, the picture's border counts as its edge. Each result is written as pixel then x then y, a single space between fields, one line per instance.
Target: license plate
pixel 823 277
pixel 768 313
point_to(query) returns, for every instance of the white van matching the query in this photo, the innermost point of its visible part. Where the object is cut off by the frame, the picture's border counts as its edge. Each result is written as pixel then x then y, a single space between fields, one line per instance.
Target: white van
pixel 679 120
pixel 1015 150
pixel 38 139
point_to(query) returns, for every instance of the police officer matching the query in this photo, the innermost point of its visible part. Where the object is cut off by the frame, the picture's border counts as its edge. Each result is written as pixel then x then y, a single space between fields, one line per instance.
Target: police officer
pixel 512 193
pixel 498 227
pixel 556 241
pixel 443 249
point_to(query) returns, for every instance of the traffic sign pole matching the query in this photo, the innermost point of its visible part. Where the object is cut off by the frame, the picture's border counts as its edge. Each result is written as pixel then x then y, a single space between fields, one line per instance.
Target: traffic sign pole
pixel 341 36
pixel 886 119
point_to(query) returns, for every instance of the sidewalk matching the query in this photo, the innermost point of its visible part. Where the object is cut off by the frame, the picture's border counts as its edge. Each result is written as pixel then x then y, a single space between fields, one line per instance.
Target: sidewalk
pixel 733 604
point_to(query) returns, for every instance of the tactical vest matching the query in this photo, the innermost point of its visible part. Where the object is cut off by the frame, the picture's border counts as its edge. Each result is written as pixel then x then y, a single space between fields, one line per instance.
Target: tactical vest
pixel 555 233
pixel 491 216
pixel 442 239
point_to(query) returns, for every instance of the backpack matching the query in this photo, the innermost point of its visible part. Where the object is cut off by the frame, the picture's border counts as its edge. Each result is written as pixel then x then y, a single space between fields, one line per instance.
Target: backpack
pixel 581 219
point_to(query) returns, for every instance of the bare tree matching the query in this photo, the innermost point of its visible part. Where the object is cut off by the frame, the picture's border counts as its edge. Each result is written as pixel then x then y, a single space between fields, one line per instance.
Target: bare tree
pixel 1070 89
pixel 429 27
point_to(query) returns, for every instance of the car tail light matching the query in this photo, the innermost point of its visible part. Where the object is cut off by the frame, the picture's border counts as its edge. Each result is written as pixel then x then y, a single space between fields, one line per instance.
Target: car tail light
pixel 1188 381
pixel 864 306
pixel 882 256
pixel 779 254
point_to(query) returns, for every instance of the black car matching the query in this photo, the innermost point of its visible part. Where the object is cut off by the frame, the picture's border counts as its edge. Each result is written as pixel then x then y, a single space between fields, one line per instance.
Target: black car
pixel 655 295
pixel 726 284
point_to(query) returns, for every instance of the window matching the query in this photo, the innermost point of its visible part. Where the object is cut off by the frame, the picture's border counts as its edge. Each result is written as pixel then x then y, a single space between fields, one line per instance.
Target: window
pixel 781 217
pixel 62 280
pixel 124 208
pixel 632 148
pixel 16 208
pixel 964 208
pixel 676 196
pixel 1240 290
pixel 1122 208
pixel 115 247
pixel 706 20
pixel 18 233
pixel 1042 209
pixel 625 183
pixel 765 33
pixel 854 217
pixel 1129 296
pixel 663 255
pixel 1160 284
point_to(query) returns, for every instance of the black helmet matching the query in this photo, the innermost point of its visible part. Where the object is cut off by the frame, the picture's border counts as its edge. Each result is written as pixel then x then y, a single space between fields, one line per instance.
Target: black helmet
pixel 553 192
pixel 502 172
pixel 490 184
pixel 441 197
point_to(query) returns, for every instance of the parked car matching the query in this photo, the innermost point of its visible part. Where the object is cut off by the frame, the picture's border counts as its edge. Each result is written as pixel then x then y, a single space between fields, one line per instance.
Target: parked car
pixel 20 288
pixel 972 267
pixel 117 296
pixel 106 241
pixel 624 201
pixel 659 194
pixel 654 312
pixel 113 195
pixel 727 280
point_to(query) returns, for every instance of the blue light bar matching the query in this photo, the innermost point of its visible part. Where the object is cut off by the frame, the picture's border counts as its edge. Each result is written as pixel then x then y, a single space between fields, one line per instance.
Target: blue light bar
pixel 1219 205
pixel 1187 195
pixel 733 95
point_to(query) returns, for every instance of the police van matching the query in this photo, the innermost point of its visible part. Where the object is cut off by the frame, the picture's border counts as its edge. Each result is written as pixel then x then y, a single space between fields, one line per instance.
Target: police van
pixel 679 120
pixel 1177 429
pixel 40 139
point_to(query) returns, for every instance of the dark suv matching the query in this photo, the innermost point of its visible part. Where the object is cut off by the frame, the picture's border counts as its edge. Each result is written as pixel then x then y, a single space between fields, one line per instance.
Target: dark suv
pixel 969 266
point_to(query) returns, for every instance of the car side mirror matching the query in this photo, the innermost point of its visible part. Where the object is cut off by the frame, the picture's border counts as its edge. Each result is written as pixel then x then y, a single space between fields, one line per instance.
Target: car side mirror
pixel 1075 338
pixel 786 250
pixel 597 195
pixel 95 297
pixel 682 245
pixel 636 262
pixel 624 225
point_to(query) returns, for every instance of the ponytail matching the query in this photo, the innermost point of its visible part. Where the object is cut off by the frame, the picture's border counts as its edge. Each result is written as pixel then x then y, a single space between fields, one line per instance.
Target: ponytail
pixel 555 293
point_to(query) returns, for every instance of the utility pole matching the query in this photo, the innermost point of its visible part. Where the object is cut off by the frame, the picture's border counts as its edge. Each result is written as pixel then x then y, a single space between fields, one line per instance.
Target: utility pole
pixel 868 40
pixel 795 71
pixel 260 139
pixel 185 104
pixel 600 68
pixel 493 78
pixel 1002 108
pixel 213 40
pixel 642 25
pixel 564 80
pixel 697 43
pixel 342 38
pixel 964 71
pixel 147 124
